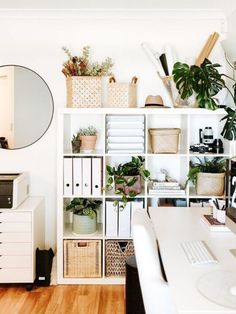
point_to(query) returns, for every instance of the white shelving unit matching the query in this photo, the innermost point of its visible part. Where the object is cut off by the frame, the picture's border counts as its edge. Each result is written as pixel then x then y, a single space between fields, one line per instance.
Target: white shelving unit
pixel 189 120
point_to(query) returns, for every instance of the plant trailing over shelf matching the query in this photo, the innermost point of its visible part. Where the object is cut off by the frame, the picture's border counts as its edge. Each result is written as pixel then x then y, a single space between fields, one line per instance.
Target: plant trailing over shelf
pixel 81 65
pixel 84 207
pixel 126 178
pixel 206 81
pixel 206 165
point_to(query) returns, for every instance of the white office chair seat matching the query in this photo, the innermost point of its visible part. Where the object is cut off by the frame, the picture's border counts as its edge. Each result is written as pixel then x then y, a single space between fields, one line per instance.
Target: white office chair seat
pixel 155 290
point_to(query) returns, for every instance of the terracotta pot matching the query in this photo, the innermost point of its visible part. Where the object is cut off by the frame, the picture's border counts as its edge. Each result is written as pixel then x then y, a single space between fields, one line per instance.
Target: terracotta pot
pixel 88 143
pixel 137 187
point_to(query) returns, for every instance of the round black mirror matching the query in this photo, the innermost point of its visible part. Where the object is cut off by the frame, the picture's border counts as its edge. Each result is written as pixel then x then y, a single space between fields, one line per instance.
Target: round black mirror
pixel 26 107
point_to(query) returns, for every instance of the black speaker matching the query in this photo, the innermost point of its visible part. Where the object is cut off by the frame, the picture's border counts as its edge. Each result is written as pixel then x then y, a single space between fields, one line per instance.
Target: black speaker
pixel 43 267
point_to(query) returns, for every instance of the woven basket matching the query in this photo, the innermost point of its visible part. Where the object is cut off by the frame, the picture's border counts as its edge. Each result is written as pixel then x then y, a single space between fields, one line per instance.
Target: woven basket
pixel 116 254
pixel 210 184
pixel 84 91
pixel 164 141
pixel 82 258
pixel 122 94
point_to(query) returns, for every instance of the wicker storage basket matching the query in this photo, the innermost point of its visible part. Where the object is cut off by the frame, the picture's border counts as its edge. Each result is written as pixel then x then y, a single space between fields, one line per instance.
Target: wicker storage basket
pixel 82 258
pixel 122 94
pixel 164 140
pixel 116 253
pixel 84 91
pixel 210 184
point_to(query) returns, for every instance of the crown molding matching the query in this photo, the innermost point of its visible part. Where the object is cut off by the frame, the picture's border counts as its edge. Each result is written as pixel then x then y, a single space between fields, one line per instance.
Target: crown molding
pixel 110 14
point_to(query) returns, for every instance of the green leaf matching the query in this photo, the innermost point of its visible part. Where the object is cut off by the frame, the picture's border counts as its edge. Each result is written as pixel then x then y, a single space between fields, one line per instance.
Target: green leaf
pixel 229 129
pixel 115 203
pixel 110 170
pixel 132 194
pixel 110 180
pixel 118 191
pixel 131 181
pixel 119 180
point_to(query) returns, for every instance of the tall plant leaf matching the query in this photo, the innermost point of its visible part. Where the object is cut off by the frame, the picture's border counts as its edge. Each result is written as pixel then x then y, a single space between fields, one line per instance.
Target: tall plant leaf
pixel 229 129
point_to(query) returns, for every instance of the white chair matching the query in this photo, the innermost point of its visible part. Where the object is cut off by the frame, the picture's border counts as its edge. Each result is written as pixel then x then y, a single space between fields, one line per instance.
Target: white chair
pixel 155 290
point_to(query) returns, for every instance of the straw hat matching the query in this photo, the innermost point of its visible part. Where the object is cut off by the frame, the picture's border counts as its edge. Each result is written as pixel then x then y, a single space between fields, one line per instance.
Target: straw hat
pixel 153 101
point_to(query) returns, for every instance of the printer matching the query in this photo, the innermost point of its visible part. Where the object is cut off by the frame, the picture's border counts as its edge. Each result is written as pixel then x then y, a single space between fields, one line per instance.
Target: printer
pixel 14 189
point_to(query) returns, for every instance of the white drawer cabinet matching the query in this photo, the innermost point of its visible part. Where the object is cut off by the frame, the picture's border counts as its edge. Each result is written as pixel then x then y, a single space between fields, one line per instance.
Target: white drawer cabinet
pixel 21 232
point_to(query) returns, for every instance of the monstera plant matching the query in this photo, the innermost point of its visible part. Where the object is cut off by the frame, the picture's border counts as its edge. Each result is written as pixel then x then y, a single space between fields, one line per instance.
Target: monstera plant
pixel 206 81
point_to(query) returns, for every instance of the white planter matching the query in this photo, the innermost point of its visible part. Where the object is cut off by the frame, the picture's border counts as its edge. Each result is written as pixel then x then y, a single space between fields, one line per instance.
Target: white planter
pixel 220 216
pixel 84 224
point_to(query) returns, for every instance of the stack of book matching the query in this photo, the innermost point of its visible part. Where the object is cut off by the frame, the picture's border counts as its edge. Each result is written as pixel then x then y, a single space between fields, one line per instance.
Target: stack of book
pixel 125 134
pixel 166 189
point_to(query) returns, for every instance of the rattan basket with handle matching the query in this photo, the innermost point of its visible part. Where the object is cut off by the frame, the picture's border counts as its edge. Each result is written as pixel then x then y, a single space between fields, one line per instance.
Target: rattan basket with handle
pixel 84 91
pixel 211 184
pixel 122 94
pixel 82 258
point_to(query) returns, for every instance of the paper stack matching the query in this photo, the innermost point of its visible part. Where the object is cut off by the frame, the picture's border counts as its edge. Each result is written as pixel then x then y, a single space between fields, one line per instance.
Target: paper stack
pixel 166 189
pixel 125 134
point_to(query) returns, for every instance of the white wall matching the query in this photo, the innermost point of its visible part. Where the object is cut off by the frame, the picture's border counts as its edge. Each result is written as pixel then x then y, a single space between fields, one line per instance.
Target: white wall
pixel 35 41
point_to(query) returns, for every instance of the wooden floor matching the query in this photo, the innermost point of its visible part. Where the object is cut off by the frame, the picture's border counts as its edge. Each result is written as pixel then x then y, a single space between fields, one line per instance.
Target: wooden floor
pixel 63 299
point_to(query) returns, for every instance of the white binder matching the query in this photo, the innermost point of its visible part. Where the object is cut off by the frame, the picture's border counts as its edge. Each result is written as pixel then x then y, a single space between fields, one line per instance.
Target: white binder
pixel 135 205
pixel 86 176
pixel 96 176
pixel 111 219
pixel 67 183
pixel 77 176
pixel 124 221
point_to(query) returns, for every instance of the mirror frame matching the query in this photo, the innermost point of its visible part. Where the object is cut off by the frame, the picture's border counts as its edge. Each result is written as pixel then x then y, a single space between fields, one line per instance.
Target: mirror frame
pixel 53 106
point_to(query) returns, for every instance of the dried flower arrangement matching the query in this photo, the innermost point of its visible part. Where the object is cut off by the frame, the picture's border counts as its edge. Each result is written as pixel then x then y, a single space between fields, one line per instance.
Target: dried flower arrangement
pixel 81 66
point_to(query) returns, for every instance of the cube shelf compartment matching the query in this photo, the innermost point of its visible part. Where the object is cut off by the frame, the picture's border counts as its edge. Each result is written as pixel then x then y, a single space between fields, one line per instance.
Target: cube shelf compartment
pixel 110 123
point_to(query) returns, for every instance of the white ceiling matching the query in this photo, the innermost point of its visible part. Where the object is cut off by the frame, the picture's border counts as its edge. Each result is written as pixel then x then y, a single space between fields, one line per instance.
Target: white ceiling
pixel 225 6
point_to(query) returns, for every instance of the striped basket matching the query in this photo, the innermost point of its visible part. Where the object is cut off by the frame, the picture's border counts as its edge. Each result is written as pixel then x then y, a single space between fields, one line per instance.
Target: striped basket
pixel 116 253
pixel 84 91
pixel 82 258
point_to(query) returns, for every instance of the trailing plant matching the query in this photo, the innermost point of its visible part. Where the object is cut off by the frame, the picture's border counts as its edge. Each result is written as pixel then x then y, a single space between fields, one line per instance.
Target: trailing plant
pixel 206 81
pixel 125 175
pixel 81 65
pixel 84 207
pixel 89 131
pixel 214 165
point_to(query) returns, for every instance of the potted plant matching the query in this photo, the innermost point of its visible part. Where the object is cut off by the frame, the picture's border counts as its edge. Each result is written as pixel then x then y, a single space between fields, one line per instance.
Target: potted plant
pixel 126 178
pixel 84 215
pixel 83 78
pixel 76 143
pixel 206 81
pixel 88 138
pixel 208 176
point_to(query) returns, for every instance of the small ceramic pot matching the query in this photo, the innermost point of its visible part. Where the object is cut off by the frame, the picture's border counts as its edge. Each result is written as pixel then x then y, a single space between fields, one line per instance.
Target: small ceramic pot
pixel 88 143
pixel 84 224
pixel 76 146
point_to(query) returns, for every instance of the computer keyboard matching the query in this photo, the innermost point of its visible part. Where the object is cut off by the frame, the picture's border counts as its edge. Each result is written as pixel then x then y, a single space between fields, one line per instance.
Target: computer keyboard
pixel 198 253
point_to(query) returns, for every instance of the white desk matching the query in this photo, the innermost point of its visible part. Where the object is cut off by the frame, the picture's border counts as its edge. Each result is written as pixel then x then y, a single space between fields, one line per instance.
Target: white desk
pixel 174 225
